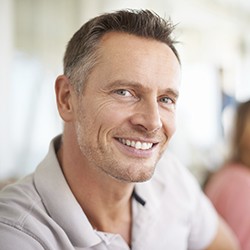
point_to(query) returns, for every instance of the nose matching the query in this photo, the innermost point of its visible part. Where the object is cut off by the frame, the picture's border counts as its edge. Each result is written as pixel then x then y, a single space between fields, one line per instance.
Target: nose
pixel 147 116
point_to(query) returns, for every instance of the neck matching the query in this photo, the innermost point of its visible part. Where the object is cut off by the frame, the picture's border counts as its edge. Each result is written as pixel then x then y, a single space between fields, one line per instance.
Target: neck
pixel 105 200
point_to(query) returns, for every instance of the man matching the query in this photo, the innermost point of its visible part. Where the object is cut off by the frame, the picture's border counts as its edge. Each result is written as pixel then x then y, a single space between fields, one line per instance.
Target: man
pixel 96 188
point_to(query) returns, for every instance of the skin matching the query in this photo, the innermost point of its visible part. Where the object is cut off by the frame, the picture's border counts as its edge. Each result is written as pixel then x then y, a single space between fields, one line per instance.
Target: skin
pixel 244 143
pixel 130 95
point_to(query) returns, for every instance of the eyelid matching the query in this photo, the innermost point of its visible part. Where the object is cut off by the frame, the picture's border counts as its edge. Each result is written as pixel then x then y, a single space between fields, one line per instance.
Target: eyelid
pixel 117 90
pixel 173 101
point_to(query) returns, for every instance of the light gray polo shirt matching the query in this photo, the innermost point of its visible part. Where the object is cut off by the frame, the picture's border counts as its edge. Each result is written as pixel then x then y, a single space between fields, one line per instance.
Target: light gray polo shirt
pixel 169 212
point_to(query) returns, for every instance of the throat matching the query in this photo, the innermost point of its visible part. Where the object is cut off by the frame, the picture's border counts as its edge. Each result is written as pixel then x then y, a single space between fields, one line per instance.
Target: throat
pixel 123 228
pixel 114 219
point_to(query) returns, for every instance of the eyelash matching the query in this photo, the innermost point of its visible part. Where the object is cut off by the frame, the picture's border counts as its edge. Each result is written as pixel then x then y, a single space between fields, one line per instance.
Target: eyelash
pixel 118 91
pixel 168 98
pixel 170 101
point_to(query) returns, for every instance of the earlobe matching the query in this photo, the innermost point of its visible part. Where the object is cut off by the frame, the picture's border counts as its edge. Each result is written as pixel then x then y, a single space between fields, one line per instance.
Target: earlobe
pixel 64 98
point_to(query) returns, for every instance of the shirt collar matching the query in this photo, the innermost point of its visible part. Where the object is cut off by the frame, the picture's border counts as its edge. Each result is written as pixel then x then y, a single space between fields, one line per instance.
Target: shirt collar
pixel 60 202
pixel 150 193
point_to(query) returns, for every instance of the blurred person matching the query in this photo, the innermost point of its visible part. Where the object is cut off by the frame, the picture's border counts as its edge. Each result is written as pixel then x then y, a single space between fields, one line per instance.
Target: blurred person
pixel 98 187
pixel 229 187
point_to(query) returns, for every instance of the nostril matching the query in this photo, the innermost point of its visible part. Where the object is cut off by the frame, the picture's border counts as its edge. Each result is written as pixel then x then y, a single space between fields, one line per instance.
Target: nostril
pixel 146 122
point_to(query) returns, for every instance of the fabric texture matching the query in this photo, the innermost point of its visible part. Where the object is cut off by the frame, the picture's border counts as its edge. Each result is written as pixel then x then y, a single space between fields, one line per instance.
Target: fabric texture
pixel 228 190
pixel 40 212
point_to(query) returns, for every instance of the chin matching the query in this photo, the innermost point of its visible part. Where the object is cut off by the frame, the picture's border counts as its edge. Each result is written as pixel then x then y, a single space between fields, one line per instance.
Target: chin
pixel 139 176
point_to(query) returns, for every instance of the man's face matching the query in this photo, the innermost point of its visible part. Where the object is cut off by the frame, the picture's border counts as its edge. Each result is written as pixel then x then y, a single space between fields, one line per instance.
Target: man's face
pixel 126 114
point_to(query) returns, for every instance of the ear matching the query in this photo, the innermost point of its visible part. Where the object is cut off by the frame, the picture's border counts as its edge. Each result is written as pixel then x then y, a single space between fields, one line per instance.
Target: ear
pixel 65 98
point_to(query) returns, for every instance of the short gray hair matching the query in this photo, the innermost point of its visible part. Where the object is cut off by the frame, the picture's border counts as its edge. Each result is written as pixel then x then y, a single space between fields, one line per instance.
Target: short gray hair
pixel 82 50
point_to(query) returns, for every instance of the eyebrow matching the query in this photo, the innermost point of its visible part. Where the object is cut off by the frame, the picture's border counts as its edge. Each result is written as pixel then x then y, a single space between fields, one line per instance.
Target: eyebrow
pixel 140 86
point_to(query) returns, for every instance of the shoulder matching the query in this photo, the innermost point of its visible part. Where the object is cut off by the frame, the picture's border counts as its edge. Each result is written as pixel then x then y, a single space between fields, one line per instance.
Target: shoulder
pixel 18 199
pixel 14 237
pixel 20 206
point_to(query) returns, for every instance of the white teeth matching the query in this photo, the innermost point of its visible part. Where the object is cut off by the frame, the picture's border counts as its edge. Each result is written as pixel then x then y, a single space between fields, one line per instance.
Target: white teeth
pixel 144 145
pixel 128 142
pixel 137 144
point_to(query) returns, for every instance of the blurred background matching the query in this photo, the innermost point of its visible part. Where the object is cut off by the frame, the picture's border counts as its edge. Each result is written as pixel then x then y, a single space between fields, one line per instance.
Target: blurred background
pixel 215 52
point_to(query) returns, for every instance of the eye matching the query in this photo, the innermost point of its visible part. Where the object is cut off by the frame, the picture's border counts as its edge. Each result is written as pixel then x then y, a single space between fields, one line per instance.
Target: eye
pixel 166 100
pixel 123 92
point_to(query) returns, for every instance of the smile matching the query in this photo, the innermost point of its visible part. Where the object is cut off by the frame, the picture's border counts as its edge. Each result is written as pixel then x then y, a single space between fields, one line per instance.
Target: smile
pixel 136 144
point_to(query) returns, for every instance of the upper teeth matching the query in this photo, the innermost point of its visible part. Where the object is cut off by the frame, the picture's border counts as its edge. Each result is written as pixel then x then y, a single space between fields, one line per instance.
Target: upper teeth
pixel 137 144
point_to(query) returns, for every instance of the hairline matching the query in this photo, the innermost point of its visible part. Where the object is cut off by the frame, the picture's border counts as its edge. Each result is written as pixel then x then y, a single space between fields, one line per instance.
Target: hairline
pixel 78 66
pixel 83 70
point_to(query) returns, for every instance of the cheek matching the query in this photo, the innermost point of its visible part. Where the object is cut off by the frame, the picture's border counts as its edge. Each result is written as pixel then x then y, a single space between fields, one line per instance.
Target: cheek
pixel 108 116
pixel 111 121
pixel 169 124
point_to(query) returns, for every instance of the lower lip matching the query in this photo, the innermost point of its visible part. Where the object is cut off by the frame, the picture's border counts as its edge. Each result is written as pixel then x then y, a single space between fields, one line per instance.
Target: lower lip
pixel 138 153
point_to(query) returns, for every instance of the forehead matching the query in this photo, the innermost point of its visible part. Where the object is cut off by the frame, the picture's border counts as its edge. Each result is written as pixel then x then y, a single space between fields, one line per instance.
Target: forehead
pixel 124 42
pixel 128 57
